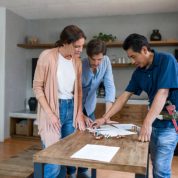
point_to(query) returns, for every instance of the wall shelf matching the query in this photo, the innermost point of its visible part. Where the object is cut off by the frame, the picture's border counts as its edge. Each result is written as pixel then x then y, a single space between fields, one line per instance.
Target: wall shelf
pixel 116 65
pixel 109 44
pixel 36 46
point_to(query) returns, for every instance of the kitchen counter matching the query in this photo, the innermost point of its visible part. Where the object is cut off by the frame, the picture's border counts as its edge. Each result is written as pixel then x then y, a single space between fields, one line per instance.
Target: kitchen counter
pixel 33 115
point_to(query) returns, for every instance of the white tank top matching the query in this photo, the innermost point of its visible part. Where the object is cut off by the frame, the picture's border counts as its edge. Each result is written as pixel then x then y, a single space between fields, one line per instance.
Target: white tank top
pixel 65 78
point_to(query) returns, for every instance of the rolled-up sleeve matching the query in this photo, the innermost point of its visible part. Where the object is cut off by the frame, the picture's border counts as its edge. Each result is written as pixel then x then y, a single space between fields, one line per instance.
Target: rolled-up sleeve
pixel 110 91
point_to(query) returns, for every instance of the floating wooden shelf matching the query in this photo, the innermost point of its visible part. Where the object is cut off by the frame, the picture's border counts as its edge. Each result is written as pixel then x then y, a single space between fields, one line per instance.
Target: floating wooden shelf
pixel 109 44
pixel 116 65
pixel 37 46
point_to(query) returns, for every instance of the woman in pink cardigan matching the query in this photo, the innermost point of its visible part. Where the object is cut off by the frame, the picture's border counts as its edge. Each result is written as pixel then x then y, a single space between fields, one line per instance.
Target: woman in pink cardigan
pixel 57 87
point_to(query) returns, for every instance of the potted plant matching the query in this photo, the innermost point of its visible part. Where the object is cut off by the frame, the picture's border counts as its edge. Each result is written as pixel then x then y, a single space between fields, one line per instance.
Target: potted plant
pixel 105 37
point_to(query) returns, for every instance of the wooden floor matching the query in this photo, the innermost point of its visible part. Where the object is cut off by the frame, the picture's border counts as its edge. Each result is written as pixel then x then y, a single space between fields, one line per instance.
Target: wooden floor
pixel 12 147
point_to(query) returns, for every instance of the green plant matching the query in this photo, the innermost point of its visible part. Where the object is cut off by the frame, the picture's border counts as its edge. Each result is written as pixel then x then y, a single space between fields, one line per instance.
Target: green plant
pixel 105 37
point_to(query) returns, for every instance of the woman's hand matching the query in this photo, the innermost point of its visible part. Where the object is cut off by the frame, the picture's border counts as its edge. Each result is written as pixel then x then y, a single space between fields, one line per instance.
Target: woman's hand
pixel 55 123
pixel 80 122
pixel 88 121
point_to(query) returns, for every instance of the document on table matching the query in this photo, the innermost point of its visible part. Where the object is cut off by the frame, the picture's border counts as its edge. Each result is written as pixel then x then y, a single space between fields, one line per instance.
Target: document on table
pixel 114 130
pixel 124 126
pixel 96 152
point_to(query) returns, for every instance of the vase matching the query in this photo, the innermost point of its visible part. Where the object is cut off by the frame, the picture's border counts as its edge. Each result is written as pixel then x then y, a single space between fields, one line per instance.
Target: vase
pixel 101 90
pixel 155 36
pixel 32 102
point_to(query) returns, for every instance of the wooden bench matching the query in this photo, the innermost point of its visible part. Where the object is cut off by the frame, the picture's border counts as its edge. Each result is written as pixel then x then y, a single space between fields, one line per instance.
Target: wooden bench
pixel 19 166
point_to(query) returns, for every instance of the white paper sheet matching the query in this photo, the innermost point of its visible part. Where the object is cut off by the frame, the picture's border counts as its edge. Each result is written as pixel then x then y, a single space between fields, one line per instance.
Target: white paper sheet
pixel 124 126
pixel 96 152
pixel 114 130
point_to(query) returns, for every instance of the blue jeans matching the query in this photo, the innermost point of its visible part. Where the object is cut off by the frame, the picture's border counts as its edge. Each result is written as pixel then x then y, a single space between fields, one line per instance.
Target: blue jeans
pixel 66 108
pixel 66 117
pixel 162 145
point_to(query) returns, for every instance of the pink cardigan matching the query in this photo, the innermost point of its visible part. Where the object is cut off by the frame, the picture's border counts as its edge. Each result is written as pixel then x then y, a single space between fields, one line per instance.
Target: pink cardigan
pixel 45 85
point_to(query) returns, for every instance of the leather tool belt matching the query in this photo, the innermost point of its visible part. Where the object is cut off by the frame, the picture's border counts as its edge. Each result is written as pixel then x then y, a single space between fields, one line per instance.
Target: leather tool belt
pixel 165 116
pixel 172 114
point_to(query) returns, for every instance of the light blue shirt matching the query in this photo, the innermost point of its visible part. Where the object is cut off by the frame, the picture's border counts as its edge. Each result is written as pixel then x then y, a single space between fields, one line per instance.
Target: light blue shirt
pixel 91 81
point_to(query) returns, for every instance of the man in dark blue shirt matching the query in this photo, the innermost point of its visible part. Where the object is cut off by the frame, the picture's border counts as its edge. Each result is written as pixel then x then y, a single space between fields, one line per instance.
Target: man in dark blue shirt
pixel 157 75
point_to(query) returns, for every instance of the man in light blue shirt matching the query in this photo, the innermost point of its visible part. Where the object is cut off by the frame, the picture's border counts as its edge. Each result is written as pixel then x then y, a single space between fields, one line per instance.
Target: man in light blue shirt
pixel 96 69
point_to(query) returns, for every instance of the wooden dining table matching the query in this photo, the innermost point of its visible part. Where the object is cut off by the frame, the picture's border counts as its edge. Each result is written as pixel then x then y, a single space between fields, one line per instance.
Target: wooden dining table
pixel 133 156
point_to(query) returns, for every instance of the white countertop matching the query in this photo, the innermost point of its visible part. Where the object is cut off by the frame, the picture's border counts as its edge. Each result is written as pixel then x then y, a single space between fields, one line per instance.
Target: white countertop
pixel 23 114
pixel 131 101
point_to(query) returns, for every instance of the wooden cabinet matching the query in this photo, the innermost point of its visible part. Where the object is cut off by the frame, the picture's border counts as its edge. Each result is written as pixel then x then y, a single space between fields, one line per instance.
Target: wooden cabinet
pixel 131 112
pixel 25 129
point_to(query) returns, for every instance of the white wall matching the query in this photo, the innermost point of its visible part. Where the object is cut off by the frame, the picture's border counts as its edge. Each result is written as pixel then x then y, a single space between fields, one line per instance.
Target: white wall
pixel 15 62
pixel 2 69
pixel 121 26
pixel 15 66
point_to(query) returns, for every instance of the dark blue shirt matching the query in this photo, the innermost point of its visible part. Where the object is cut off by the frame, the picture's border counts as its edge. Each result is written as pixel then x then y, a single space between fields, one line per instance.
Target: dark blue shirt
pixel 162 74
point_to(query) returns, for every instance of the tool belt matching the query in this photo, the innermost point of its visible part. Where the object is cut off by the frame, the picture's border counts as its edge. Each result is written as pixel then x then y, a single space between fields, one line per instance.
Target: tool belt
pixel 165 116
pixel 171 114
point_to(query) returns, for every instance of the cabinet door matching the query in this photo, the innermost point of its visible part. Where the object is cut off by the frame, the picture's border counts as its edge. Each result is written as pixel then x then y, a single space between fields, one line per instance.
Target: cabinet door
pixel 128 114
pixel 136 118
pixel 100 110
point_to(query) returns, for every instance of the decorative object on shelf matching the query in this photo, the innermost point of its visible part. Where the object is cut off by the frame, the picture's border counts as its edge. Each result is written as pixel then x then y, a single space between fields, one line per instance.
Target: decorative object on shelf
pixel 101 90
pixel 105 37
pixel 31 40
pixel 155 36
pixel 32 102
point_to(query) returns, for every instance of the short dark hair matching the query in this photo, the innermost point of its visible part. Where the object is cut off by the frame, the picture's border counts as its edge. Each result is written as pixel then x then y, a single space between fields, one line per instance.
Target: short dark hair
pixel 70 34
pixel 135 42
pixel 95 47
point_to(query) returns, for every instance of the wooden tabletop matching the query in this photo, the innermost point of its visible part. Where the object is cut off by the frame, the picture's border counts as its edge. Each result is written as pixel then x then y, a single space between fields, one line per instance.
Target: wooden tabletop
pixel 131 157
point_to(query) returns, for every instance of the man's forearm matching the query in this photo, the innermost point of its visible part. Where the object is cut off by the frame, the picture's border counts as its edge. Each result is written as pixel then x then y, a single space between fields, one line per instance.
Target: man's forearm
pixel 108 106
pixel 157 105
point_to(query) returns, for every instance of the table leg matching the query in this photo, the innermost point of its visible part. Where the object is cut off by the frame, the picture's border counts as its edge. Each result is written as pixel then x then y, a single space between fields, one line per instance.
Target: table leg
pixel 147 171
pixel 38 170
pixel 93 173
pixel 140 176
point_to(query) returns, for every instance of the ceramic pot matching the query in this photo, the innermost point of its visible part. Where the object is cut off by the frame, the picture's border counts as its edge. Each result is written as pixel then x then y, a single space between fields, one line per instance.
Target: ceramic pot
pixel 101 90
pixel 32 102
pixel 155 36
